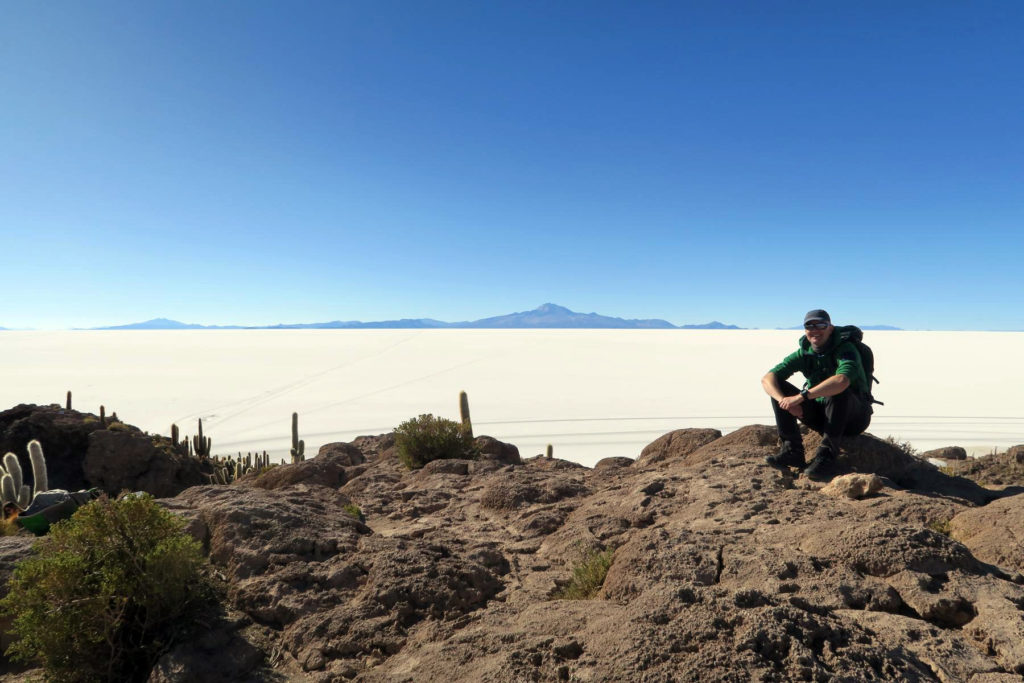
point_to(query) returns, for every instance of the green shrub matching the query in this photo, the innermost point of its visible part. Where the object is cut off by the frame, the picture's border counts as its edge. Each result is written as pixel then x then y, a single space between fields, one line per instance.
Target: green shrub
pixel 106 592
pixel 588 576
pixel 426 438
pixel 353 511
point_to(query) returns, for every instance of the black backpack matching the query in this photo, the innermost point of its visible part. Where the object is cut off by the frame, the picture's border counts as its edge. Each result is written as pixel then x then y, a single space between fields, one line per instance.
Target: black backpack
pixel 854 334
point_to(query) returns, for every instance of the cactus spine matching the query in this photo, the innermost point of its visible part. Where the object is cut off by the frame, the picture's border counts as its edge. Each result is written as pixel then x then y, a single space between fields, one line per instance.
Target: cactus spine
pixel 467 424
pixel 298 446
pixel 40 480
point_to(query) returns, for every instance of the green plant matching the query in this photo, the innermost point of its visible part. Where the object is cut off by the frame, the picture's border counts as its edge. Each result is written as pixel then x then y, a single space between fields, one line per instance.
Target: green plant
pixel 353 511
pixel 941 526
pixel 426 438
pixel 588 576
pixel 106 592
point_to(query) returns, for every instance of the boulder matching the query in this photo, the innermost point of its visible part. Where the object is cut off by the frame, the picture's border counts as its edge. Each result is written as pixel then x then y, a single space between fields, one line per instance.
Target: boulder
pixel 119 460
pixel 675 445
pixel 344 454
pixel 853 486
pixel 613 463
pixel 946 453
pixel 328 468
pixel 497 451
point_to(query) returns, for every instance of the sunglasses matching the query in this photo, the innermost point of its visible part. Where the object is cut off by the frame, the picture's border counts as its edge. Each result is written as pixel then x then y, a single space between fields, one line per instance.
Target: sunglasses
pixel 815 326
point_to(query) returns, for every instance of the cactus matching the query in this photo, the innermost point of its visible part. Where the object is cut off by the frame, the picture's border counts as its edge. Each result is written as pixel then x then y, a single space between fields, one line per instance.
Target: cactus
pixel 201 445
pixel 467 424
pixel 8 494
pixel 40 480
pixel 13 468
pixel 69 401
pixel 549 452
pixel 103 416
pixel 24 496
pixel 298 447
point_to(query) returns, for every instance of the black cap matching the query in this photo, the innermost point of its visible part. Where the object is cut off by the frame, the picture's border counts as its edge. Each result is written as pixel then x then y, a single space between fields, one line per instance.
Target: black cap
pixel 817 314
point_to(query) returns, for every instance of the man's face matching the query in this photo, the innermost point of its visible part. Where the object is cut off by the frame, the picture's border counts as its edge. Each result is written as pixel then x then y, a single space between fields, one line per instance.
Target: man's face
pixel 818 332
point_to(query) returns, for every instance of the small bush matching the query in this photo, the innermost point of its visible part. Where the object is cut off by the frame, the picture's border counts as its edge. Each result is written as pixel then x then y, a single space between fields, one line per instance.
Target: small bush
pixel 426 438
pixel 588 576
pixel 904 446
pixel 942 526
pixel 106 592
pixel 353 511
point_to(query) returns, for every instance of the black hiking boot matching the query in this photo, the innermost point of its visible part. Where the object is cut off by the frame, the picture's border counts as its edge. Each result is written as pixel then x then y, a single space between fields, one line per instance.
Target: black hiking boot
pixel 787 457
pixel 822 465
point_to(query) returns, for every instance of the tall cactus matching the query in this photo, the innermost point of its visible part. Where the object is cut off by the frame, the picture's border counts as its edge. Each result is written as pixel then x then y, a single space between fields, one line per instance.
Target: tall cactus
pixel 69 401
pixel 13 467
pixel 467 424
pixel 550 452
pixel 7 492
pixel 298 446
pixel 40 479
pixel 201 445
pixel 103 416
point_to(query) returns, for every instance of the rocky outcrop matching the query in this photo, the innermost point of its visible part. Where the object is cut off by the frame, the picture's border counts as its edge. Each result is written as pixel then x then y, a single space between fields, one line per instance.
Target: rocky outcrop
pixel 127 459
pixel 82 452
pixel 723 568
pixel 64 435
pixel 675 445
pixel 721 565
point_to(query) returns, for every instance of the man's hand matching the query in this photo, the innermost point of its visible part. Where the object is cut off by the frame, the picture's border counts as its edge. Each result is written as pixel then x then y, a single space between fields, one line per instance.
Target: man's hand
pixel 792 405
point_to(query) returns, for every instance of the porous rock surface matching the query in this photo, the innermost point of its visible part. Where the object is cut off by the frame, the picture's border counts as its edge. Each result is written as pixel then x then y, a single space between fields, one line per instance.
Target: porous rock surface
pixel 724 569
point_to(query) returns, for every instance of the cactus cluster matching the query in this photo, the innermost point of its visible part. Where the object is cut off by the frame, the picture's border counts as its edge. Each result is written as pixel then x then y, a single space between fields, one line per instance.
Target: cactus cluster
pixel 13 489
pixel 228 469
pixel 298 446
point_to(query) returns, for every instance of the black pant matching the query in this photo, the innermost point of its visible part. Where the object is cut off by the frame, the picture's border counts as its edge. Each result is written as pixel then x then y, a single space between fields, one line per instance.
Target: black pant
pixel 844 414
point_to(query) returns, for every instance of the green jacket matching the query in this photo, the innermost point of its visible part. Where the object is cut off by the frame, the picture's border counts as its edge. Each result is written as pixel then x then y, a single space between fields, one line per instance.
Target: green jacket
pixel 839 357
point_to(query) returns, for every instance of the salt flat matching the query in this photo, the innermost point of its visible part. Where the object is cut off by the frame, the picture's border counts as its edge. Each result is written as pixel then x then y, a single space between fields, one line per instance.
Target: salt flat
pixel 589 393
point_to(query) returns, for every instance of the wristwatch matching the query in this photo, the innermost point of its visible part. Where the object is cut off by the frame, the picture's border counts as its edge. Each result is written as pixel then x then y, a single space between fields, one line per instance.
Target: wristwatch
pixel 804 393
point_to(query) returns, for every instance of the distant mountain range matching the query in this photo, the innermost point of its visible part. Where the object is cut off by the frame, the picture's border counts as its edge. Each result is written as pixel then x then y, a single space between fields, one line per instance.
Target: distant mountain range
pixel 549 316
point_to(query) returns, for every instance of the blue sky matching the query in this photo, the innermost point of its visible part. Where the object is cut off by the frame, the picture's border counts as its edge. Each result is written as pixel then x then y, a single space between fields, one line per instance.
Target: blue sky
pixel 254 162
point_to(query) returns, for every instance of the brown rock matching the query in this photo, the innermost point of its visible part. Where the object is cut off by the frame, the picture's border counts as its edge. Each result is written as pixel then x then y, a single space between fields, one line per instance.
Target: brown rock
pixel 133 461
pixel 675 446
pixel 326 469
pixel 994 533
pixel 853 486
pixel 946 453
pixel 344 454
pixel 492 449
pixel 613 463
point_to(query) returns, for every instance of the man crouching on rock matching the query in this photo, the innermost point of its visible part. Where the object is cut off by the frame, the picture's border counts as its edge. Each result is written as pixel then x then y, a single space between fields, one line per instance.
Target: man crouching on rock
pixel 833 401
